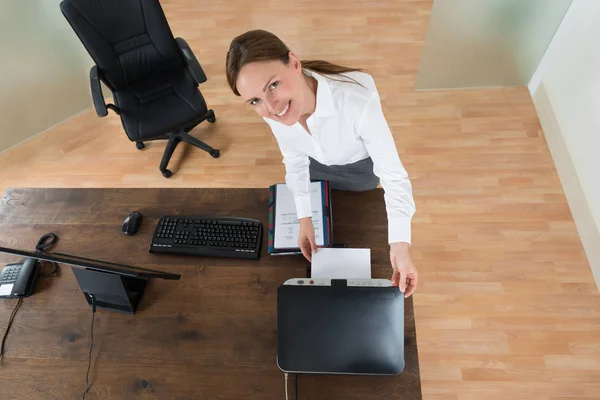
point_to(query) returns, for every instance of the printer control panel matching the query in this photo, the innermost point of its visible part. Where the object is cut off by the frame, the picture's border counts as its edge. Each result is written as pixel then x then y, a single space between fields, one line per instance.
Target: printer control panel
pixel 335 282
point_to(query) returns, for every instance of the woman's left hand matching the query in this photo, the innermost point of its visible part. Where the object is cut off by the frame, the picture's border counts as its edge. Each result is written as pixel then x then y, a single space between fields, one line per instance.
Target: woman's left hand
pixel 405 274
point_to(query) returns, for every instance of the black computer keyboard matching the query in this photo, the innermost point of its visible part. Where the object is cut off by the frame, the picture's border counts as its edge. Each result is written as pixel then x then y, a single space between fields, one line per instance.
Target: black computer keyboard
pixel 208 236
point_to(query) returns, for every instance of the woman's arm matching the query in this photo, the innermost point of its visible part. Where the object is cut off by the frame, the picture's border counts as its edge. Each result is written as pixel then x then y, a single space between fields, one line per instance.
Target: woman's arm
pixel 377 137
pixel 400 205
pixel 297 179
pixel 297 173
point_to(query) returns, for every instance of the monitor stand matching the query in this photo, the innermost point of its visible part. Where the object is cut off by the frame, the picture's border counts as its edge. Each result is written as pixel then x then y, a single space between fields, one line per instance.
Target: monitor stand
pixel 111 291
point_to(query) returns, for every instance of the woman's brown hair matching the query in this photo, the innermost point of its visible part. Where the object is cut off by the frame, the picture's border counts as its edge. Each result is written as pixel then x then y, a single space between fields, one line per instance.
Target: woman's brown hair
pixel 260 45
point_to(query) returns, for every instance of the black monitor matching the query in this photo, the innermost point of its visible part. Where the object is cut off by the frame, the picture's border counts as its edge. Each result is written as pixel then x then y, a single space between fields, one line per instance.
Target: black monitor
pixel 113 286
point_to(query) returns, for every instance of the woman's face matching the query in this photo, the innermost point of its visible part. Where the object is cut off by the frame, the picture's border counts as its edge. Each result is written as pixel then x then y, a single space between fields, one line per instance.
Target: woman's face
pixel 273 89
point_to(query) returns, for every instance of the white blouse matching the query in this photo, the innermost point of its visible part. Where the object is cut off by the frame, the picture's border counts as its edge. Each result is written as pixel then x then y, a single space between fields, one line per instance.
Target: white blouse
pixel 347 126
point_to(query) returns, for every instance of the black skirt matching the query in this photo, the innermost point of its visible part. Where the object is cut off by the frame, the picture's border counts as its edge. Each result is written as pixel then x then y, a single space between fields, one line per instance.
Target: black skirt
pixel 355 177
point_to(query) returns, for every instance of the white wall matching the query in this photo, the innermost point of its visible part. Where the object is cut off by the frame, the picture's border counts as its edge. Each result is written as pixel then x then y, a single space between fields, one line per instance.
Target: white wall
pixel 566 92
pixel 44 70
pixel 487 43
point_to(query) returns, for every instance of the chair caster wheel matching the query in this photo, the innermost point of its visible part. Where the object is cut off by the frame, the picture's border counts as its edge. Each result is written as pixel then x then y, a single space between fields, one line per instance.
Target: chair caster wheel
pixel 167 173
pixel 215 153
pixel 212 118
pixel 140 145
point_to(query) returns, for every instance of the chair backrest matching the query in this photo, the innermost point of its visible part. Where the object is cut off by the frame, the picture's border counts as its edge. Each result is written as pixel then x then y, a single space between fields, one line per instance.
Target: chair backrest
pixel 129 40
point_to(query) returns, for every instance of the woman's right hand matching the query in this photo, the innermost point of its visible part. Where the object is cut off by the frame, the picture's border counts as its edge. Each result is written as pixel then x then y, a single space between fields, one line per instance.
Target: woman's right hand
pixel 306 238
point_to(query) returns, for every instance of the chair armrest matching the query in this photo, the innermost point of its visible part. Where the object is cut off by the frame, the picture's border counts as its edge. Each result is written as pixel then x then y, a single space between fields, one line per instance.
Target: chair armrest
pixel 191 62
pixel 97 96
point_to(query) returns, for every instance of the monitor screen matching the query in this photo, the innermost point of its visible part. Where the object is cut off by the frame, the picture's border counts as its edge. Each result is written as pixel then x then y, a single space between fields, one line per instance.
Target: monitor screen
pixel 96 265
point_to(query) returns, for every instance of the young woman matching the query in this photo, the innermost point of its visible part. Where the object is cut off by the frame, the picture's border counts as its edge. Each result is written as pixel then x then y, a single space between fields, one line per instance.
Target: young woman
pixel 329 125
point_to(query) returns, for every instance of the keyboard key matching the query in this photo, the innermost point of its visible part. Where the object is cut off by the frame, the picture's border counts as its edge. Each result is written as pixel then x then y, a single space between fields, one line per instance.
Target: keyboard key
pixel 235 223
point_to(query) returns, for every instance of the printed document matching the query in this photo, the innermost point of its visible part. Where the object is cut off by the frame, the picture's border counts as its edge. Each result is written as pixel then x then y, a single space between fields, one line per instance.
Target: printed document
pixel 287 224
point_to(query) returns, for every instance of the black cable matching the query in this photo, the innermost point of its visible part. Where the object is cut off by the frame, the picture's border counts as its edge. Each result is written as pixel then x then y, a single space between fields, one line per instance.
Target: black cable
pixel 296 387
pixel 44 243
pixel 87 375
pixel 10 321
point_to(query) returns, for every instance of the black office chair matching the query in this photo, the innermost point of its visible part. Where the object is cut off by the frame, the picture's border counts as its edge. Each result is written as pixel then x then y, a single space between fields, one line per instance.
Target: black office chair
pixel 153 76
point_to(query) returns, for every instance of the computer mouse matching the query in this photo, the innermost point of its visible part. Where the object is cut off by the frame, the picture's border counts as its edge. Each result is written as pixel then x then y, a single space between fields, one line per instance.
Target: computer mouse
pixel 132 223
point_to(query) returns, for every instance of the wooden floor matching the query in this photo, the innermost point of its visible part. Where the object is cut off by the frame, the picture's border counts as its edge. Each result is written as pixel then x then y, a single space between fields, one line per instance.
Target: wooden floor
pixel 507 306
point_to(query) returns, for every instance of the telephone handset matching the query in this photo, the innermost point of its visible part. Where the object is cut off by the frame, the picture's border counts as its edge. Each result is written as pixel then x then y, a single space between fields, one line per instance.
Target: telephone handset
pixel 18 279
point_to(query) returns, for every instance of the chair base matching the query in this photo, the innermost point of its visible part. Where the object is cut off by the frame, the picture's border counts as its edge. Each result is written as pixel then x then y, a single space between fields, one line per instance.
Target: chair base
pixel 183 135
pixel 174 139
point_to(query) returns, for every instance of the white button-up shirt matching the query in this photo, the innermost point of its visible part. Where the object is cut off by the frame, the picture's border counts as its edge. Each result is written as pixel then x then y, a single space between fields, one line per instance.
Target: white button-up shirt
pixel 347 126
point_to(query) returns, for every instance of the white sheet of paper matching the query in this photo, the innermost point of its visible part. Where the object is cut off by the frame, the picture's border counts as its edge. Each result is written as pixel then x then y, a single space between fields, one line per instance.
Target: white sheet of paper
pixel 341 264
pixel 287 224
pixel 6 289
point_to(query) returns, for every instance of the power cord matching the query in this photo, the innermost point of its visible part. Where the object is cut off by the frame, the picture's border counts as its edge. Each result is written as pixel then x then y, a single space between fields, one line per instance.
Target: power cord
pixel 295 386
pixel 10 321
pixel 87 375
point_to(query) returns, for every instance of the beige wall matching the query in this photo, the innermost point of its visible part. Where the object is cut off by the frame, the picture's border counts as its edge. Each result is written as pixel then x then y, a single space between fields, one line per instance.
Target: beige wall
pixel 487 43
pixel 566 93
pixel 43 70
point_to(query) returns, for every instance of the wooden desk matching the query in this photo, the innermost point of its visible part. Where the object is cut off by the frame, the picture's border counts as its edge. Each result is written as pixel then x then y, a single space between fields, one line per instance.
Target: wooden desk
pixel 210 335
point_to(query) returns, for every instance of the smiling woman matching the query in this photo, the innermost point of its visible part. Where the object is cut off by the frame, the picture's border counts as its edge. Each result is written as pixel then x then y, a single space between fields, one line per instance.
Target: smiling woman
pixel 329 125
pixel 259 58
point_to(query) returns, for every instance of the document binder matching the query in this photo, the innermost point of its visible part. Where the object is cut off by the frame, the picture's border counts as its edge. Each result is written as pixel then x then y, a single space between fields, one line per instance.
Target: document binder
pixel 283 217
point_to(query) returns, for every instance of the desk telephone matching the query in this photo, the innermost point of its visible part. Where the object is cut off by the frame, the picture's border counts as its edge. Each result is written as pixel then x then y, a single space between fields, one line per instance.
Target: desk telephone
pixel 18 279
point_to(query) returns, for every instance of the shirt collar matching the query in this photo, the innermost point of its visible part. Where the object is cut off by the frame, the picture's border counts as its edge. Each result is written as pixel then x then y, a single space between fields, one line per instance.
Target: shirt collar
pixel 324 100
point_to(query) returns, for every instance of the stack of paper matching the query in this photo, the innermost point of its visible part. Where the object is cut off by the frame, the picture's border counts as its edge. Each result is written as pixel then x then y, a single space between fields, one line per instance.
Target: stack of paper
pixel 338 263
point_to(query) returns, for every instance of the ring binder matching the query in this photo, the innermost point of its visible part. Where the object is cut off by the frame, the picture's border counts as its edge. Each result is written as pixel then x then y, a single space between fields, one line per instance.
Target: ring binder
pixel 326 214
